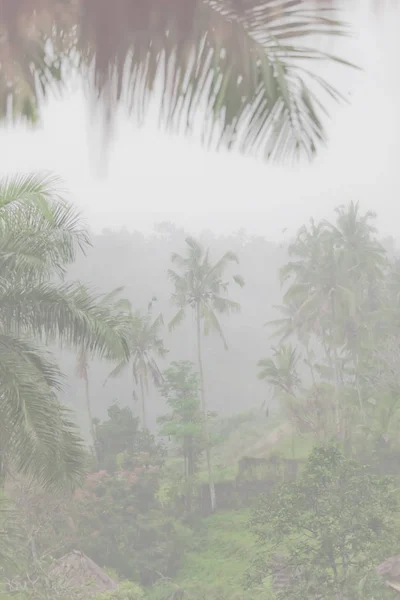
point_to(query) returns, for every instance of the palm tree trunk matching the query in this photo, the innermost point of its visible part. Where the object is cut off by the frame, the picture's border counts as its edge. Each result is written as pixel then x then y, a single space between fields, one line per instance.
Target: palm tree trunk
pixel 90 417
pixel 143 401
pixel 204 410
pixel 310 364
pixel 337 374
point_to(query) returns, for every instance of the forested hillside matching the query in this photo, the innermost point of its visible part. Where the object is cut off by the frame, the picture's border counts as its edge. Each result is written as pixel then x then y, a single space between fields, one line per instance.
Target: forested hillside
pixel 297 500
pixel 140 264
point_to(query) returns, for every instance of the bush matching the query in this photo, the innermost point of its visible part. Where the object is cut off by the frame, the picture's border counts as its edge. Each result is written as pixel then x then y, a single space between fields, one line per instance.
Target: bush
pixel 123 527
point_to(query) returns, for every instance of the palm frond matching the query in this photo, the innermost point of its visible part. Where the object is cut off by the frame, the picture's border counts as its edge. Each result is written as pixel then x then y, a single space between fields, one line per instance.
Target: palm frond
pixel 224 305
pixel 67 313
pixel 221 265
pixel 242 63
pixel 177 319
pixel 40 190
pixel 40 243
pixel 211 323
pixel 116 372
pixel 239 280
pixel 37 438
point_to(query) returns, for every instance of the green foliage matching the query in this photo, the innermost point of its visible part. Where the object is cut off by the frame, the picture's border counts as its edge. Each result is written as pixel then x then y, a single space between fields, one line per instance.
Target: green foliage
pixel 127 590
pixel 120 443
pixel 337 523
pixel 122 524
pixel 199 285
pixel 40 236
pixel 145 346
pixel 185 421
pixel 214 566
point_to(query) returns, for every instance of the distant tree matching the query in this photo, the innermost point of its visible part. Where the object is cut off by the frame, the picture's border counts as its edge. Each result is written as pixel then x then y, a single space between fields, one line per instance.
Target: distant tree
pixel 113 305
pixel 185 421
pixel 280 370
pixel 334 280
pixel 336 524
pixel 121 443
pixel 199 286
pixel 145 345
pixel 122 524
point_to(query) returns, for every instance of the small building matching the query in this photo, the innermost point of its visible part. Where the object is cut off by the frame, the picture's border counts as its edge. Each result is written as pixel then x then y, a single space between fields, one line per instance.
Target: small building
pixel 80 575
pixel 390 571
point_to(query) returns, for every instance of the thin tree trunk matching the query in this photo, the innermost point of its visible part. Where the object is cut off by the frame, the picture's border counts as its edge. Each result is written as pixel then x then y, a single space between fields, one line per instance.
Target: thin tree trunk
pixel 310 365
pixel 337 375
pixel 204 410
pixel 143 401
pixel 90 416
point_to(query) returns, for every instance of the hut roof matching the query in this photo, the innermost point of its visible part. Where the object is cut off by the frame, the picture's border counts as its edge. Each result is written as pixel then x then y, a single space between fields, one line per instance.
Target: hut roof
pixel 77 572
pixel 390 568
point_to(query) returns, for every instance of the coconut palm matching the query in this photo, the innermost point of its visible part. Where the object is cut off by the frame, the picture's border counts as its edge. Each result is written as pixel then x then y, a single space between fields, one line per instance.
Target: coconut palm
pixel 40 234
pixel 145 345
pixel 335 277
pixel 112 303
pixel 318 291
pixel 280 370
pixel 200 287
pixel 251 65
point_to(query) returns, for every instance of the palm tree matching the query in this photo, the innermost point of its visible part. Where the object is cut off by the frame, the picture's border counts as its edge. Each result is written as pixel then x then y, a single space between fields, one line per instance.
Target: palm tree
pixel 335 275
pixel 280 372
pixel 319 291
pixel 145 346
pixel 111 302
pixel 248 63
pixel 40 234
pixel 199 285
pixel 288 326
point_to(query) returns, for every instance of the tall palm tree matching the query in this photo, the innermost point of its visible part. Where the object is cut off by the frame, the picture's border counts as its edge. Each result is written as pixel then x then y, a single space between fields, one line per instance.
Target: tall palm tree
pixel 280 372
pixel 199 286
pixel 248 63
pixel 112 303
pixel 334 276
pixel 362 262
pixel 40 234
pixel 290 325
pixel 145 345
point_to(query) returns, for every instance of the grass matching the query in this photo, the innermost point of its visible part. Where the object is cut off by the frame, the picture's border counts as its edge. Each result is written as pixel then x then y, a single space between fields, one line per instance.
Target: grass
pixel 215 568
pixel 302 446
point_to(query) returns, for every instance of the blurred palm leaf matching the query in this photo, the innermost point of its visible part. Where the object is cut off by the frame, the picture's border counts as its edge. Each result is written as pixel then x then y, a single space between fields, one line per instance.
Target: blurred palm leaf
pixel 244 69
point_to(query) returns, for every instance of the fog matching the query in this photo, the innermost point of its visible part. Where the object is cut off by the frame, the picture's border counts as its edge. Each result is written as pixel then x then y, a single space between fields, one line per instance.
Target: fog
pixel 227 430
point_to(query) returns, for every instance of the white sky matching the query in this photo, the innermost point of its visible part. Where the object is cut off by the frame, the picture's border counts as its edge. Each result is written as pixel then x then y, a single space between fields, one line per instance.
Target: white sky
pixel 151 176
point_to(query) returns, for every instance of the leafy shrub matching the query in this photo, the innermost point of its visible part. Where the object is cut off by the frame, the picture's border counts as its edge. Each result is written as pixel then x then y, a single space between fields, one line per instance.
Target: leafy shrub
pixel 122 525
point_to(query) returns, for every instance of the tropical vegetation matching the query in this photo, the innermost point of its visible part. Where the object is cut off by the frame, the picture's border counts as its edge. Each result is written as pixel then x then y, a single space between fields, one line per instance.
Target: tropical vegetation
pixel 295 499
pixel 40 235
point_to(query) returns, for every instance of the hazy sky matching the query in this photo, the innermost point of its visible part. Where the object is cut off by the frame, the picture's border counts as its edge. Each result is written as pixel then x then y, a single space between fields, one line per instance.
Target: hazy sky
pixel 151 176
